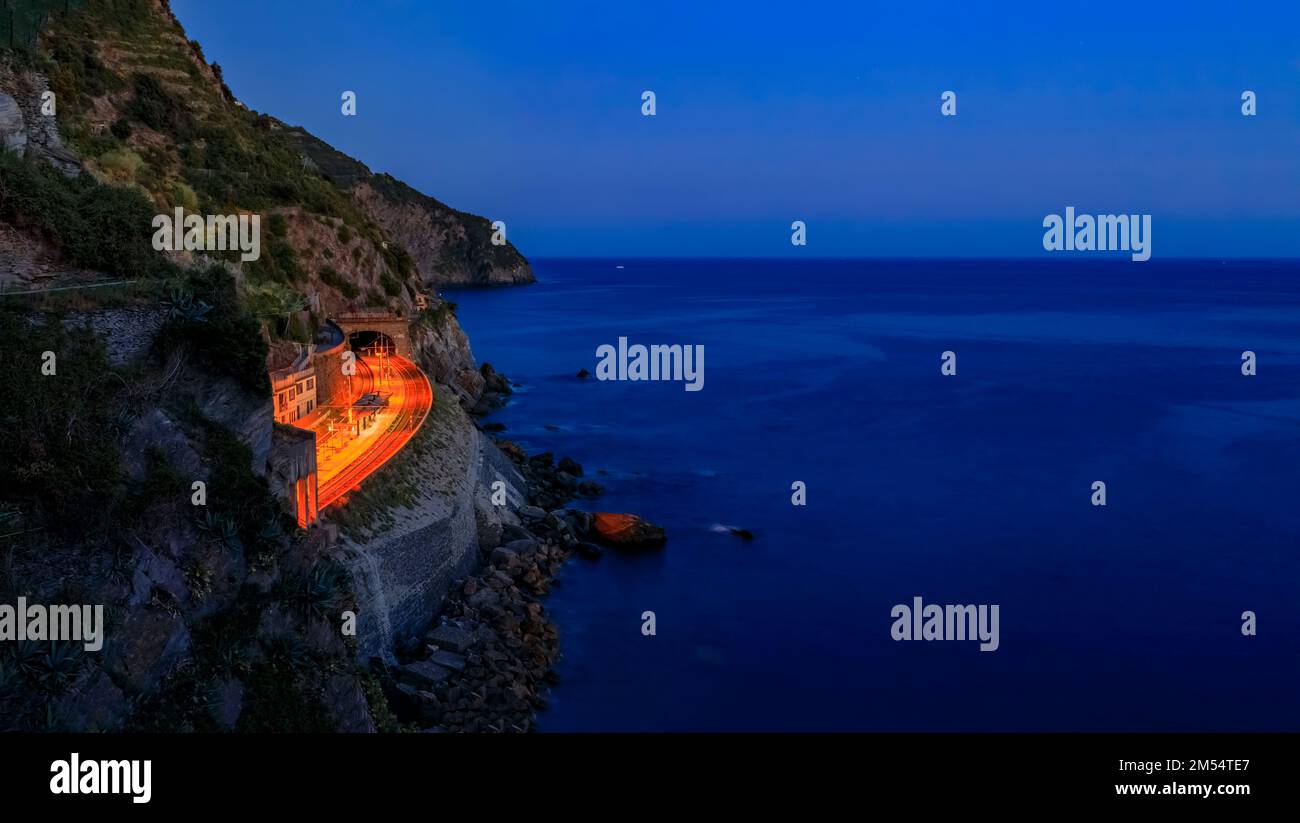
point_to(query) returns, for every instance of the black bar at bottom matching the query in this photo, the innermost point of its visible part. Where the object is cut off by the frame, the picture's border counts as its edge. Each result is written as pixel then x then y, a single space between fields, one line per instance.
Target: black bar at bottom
pixel 978 771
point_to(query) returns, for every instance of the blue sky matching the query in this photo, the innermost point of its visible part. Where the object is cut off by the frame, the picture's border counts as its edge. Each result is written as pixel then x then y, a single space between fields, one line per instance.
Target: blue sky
pixel 824 112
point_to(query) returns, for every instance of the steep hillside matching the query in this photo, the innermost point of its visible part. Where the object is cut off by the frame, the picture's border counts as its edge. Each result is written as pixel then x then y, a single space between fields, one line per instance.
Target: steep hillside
pixel 140 106
pixel 150 126
pixel 221 614
pixel 447 246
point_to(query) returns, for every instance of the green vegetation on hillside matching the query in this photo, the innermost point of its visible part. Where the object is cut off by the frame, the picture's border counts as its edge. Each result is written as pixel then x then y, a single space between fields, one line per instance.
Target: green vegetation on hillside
pixel 21 21
pixel 330 277
pixel 102 227
pixel 84 499
pixel 207 317
pixel 142 108
pixel 62 461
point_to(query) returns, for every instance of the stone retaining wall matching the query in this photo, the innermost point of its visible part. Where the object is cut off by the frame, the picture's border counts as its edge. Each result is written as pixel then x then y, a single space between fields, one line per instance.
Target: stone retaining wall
pixel 403 574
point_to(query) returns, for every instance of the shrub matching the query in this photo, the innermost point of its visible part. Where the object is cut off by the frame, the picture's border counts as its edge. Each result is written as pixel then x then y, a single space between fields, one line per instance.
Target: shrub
pixel 240 503
pixel 277 225
pixel 278 261
pixel 297 329
pixel 333 279
pixel 436 316
pixel 184 196
pixel 280 304
pixel 398 260
pixel 61 461
pixel 227 339
pixel 155 107
pixel 97 226
pixel 391 285
pixel 281 695
pixel 118 233
pixel 121 165
pixel 78 71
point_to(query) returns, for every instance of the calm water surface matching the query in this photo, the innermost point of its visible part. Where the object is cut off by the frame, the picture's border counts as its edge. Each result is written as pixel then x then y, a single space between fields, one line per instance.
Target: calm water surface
pixel 965 489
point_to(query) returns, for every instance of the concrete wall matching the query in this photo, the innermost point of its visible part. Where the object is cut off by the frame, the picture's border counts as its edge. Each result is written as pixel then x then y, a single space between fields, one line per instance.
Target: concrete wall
pixel 292 476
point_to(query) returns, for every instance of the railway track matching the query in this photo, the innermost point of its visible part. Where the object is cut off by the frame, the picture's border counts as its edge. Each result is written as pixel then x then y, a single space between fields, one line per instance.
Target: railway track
pixel 416 400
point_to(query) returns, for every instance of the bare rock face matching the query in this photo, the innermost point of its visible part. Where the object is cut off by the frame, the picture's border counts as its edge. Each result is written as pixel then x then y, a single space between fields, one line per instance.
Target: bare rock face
pixel 150 642
pixel 24 128
pixel 346 703
pixel 445 354
pixel 228 696
pixel 157 429
pixel 448 246
pixel 95 704
pixel 13 132
pixel 223 401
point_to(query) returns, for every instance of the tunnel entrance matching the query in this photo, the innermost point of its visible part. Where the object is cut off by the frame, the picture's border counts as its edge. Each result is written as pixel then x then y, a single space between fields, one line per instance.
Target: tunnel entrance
pixel 372 344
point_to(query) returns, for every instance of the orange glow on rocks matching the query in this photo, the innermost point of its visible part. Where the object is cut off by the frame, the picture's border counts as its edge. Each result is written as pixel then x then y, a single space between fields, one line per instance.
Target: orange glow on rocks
pixel 627 530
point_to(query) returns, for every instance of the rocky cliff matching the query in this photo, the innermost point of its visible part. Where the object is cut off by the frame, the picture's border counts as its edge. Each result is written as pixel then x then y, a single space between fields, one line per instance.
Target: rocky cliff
pixel 23 129
pixel 449 247
pixel 221 614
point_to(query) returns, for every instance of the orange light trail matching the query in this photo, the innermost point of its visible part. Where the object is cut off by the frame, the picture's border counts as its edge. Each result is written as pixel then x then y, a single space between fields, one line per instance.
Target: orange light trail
pixel 345 458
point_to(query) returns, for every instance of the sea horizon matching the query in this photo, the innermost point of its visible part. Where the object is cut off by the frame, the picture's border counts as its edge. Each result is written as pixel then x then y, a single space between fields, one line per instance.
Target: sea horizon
pixel 969 488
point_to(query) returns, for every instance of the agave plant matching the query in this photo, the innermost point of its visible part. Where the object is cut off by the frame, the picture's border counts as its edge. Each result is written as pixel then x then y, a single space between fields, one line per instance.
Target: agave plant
pixel 262 552
pixel 121 422
pixel 181 305
pixel 8 674
pixel 287 649
pixel 27 657
pixel 271 533
pixel 228 657
pixel 198 577
pixel 320 592
pixel 218 527
pixel 59 665
pixel 327 587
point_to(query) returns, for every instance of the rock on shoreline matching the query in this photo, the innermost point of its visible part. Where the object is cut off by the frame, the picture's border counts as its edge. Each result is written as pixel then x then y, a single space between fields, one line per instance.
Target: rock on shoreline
pixel 487 664
pixel 627 531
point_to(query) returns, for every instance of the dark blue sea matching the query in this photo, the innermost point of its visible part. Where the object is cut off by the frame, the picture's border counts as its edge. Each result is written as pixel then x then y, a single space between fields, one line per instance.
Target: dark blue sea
pixel 974 488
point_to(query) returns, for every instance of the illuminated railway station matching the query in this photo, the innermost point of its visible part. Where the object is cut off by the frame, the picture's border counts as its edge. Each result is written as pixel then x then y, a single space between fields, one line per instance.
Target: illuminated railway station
pixel 359 413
